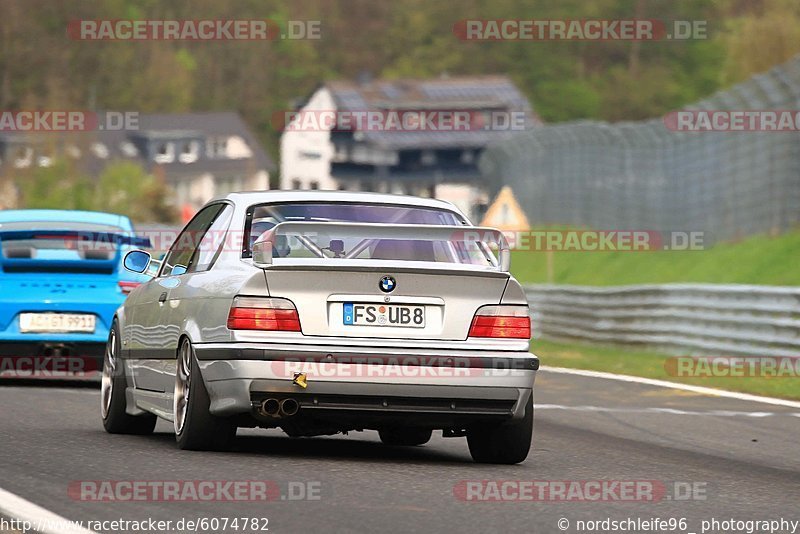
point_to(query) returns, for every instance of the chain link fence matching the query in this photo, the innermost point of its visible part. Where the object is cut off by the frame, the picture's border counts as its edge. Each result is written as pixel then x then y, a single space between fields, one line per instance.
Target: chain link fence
pixel 642 175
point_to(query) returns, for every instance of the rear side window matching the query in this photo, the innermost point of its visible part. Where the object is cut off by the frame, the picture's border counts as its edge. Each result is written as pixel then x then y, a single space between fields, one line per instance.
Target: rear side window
pixel 212 243
pixel 187 254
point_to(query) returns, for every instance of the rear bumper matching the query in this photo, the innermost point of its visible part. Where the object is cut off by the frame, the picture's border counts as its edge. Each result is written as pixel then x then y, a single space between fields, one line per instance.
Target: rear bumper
pixel 438 388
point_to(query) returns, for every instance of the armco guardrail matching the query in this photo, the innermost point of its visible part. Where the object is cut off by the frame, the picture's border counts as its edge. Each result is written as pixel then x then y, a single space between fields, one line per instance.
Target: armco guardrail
pixel 686 318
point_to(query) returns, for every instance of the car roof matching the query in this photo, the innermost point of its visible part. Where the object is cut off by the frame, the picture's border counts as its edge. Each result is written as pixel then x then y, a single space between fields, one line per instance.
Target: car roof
pixel 93 217
pixel 259 197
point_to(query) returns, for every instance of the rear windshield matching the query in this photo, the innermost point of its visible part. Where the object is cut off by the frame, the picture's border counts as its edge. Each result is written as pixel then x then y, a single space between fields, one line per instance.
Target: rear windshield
pixel 265 218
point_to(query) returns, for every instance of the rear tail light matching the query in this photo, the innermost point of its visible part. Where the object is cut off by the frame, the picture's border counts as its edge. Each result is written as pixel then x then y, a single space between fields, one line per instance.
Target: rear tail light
pixel 511 322
pixel 256 313
pixel 127 287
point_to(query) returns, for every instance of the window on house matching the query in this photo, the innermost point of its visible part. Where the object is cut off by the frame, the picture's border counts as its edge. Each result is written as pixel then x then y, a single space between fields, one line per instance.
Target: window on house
pixel 128 149
pixel 99 150
pixel 296 184
pixel 313 184
pixel 305 154
pixel 428 157
pixel 23 157
pixel 165 153
pixel 217 147
pixel 341 152
pixel 73 151
pixel 189 152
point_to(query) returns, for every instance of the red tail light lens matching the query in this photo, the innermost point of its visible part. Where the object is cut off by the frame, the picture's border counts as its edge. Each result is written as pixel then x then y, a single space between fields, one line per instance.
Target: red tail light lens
pixel 127 287
pixel 254 313
pixel 511 322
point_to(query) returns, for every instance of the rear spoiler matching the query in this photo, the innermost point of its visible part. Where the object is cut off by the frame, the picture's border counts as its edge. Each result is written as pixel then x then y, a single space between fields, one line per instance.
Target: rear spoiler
pixel 16 260
pixel 117 238
pixel 367 232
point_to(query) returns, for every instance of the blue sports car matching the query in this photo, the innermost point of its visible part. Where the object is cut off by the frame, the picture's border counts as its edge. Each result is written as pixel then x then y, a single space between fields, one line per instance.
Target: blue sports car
pixel 61 280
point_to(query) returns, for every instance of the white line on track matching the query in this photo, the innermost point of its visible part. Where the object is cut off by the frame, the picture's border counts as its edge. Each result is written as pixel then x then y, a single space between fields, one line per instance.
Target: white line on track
pixel 674 385
pixel 41 520
pixel 666 411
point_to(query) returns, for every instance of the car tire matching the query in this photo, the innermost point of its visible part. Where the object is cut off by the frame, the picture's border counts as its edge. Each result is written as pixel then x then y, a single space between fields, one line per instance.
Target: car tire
pixel 406 437
pixel 503 444
pixel 195 428
pixel 113 403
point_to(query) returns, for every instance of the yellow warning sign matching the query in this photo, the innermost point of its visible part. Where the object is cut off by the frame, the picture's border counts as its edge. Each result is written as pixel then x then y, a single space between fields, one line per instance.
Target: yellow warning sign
pixel 505 213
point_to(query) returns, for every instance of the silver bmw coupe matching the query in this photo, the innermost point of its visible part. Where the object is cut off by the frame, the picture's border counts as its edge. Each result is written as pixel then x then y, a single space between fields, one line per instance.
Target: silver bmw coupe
pixel 321 312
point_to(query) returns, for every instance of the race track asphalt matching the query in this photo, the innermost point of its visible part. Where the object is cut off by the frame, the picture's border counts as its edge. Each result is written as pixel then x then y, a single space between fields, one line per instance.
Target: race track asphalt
pixel 741 458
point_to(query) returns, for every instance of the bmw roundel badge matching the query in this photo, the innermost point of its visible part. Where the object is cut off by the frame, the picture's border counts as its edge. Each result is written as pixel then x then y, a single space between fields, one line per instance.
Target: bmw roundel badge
pixel 387 284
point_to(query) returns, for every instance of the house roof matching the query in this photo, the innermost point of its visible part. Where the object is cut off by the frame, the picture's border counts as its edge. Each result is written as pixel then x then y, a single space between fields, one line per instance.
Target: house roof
pixel 447 93
pixel 208 123
pixel 160 126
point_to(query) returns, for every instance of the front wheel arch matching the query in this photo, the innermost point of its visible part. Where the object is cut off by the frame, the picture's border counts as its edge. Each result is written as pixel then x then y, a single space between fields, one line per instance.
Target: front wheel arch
pixel 114 383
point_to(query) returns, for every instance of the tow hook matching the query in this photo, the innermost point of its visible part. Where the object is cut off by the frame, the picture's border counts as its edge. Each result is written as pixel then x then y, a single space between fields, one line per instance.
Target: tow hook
pixel 300 379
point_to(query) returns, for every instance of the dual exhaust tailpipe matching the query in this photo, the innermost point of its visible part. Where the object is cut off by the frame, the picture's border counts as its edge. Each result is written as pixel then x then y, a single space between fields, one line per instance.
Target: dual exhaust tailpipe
pixel 278 408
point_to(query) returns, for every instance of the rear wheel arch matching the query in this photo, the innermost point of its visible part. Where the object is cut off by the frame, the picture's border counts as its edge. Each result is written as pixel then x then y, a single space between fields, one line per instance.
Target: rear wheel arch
pixel 197 429
pixel 183 337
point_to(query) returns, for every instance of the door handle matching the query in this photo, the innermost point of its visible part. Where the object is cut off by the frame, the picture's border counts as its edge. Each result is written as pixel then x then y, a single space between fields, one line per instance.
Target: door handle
pixel 162 298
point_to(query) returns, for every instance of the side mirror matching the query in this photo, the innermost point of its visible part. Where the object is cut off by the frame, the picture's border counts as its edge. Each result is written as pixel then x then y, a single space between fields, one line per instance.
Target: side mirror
pixel 136 261
pixel 262 254
pixel 178 270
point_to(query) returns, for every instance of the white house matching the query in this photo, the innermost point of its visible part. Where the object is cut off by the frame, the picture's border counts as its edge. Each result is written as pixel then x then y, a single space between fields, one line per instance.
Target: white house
pixel 332 142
